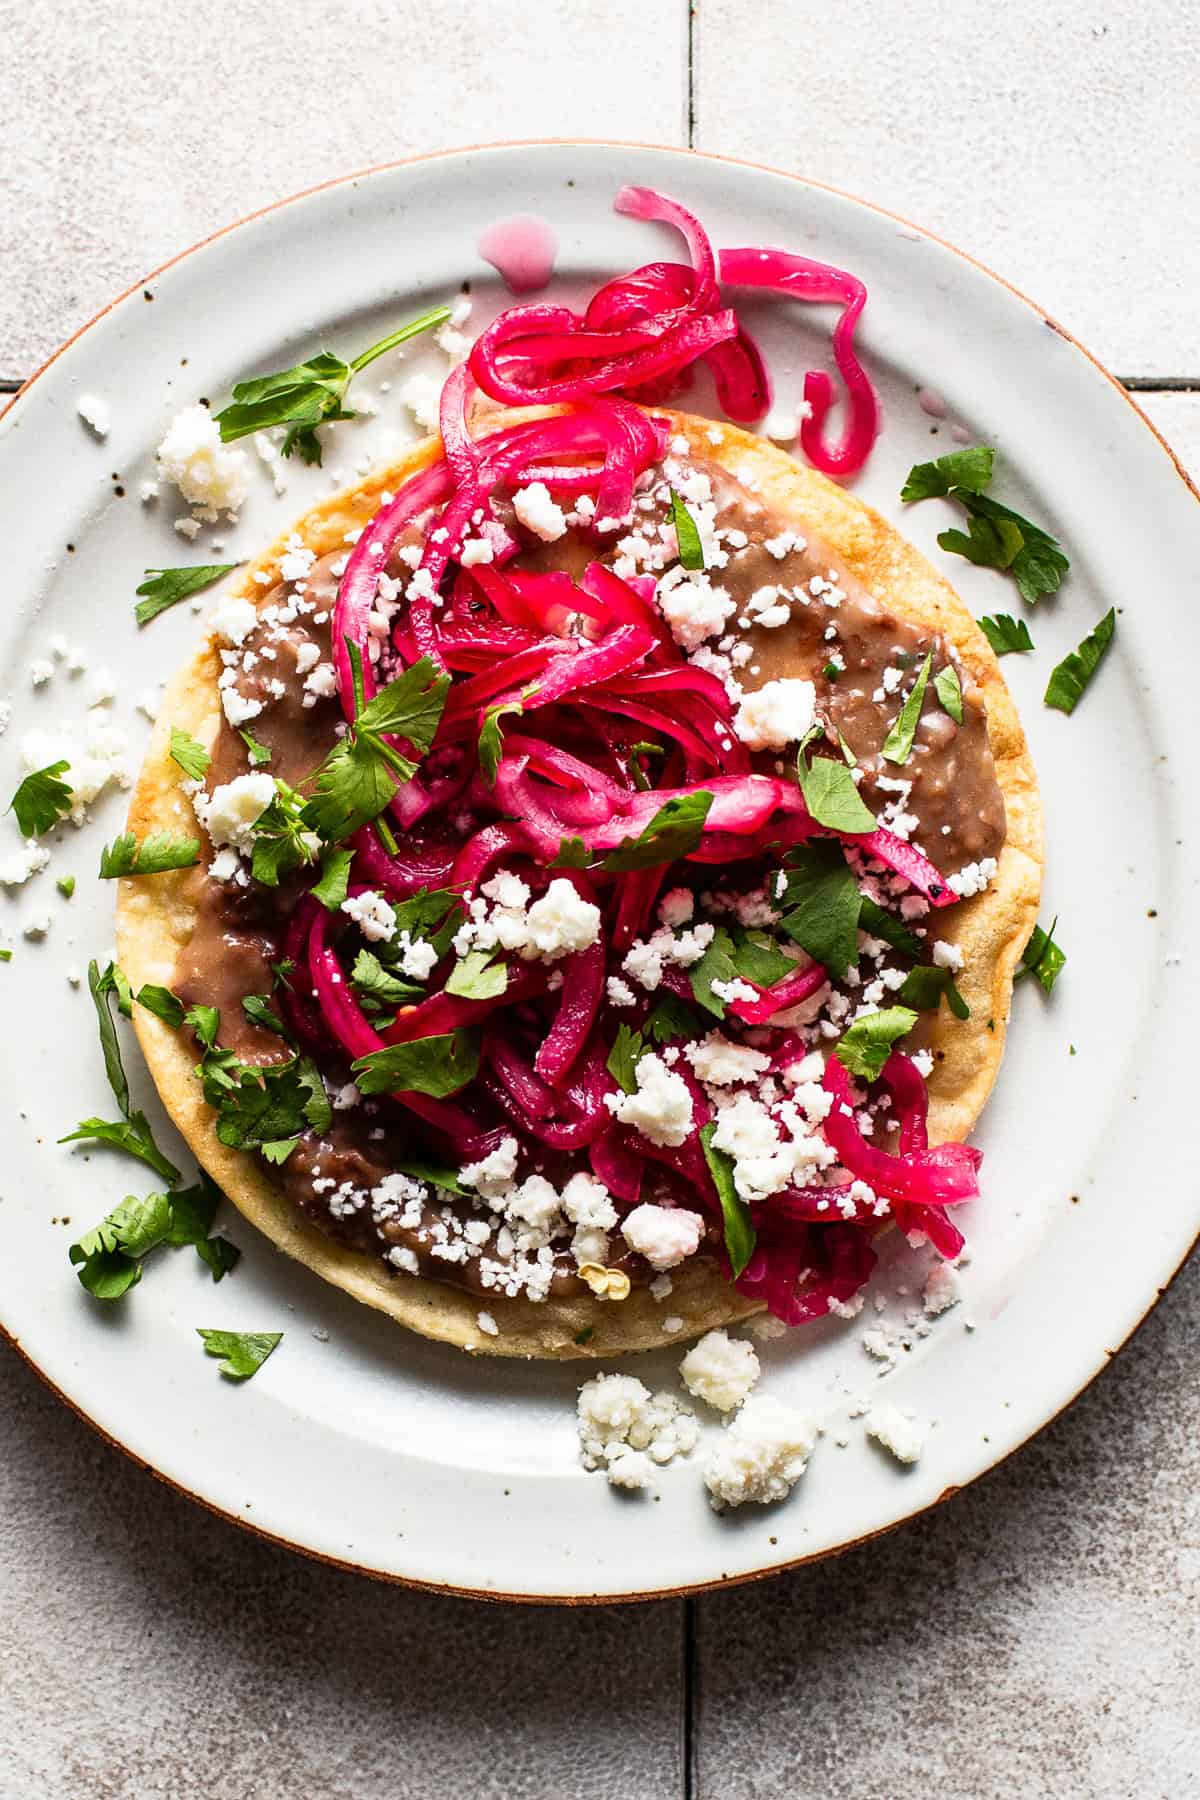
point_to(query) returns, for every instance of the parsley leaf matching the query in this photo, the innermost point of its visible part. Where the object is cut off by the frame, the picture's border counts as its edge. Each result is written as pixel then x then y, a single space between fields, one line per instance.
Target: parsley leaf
pixel 434 1065
pixel 155 854
pixel 1042 958
pixel 1069 680
pixel 627 1050
pixel 948 688
pixel 360 775
pixel 334 884
pixel 831 796
pixel 897 745
pixel 740 1235
pixel 866 1046
pixel 1006 634
pixel 167 587
pixel 42 799
pixel 243 1353
pixel 191 756
pixel 674 831
pixel 821 905
pixel 491 737
pixel 310 393
pixel 925 986
pixel 970 469
pixel 687 534
pixel 478 976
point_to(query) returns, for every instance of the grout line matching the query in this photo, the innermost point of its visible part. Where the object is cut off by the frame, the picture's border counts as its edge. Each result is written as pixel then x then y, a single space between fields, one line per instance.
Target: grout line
pixel 689 1699
pixel 1161 384
pixel 691 72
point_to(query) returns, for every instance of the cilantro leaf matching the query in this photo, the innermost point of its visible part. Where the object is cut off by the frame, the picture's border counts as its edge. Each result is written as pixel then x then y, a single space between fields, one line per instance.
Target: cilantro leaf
pixel 309 394
pixel 192 1213
pixel 205 1021
pixel 1006 634
pixel 259 1011
pixel 740 1235
pixel 866 1046
pixel 491 737
pixel 1040 562
pixel 42 799
pixel 283 841
pixel 66 886
pixel 988 543
pixel 627 1050
pixel 334 884
pixel 156 854
pixel 191 756
pixel 132 1135
pixel 715 965
pixel 243 1353
pixel 380 990
pixel 360 775
pixel 897 745
pixel 167 587
pixel 831 796
pixel 1070 679
pixel 437 1174
pixel 1042 958
pixel 107 1259
pixel 573 853
pixel 478 976
pixel 877 922
pixel 672 1018
pixel 948 688
pixel 264 1104
pixel 434 1065
pixel 674 831
pixel 101 983
pixel 687 534
pixel 821 905
pixel 756 956
pixel 970 469
pixel 258 753
pixel 926 985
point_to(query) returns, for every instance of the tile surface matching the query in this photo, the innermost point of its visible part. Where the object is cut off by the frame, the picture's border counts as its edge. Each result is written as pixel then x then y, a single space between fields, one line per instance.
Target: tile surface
pixel 149 1649
pixel 1057 144
pixel 133 132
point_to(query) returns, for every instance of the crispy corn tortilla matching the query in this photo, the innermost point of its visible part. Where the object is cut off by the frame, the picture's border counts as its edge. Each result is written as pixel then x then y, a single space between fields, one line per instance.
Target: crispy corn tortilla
pixel 155 917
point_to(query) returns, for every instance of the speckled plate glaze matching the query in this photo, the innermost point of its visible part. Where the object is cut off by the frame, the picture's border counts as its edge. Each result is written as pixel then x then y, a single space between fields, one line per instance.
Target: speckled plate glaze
pixel 357 1442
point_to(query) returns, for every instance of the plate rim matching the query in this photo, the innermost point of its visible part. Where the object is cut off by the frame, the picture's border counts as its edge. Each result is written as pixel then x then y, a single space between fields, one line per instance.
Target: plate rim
pixel 718 1582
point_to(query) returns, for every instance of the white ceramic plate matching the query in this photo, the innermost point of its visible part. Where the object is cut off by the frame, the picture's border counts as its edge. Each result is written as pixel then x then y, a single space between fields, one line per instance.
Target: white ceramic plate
pixel 358 1442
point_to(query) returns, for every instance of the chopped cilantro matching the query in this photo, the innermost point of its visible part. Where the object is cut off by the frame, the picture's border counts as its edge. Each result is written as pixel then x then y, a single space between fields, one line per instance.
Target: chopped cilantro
pixel 66 886
pixel 156 854
pixel 131 1133
pixel 190 755
pixel 242 1353
pixel 674 831
pixel 258 753
pixel 970 469
pixel 1069 680
pixel 478 976
pixel 1006 634
pixel 897 745
pixel 162 1003
pixel 627 1050
pixel 42 799
pixel 687 534
pixel 334 884
pixel 434 1065
pixel 740 1235
pixel 163 588
pixel 359 777
pixel 491 737
pixel 924 988
pixel 820 905
pixel 866 1046
pixel 997 537
pixel 830 793
pixel 948 688
pixel 259 1011
pixel 1042 958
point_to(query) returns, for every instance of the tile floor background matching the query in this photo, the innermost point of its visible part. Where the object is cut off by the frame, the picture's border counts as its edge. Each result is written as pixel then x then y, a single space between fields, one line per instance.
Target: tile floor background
pixel 1037 1636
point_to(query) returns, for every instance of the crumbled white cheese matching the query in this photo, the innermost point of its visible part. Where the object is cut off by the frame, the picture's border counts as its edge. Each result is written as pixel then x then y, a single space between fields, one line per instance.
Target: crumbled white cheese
pixel 664 1235
pixel 38 928
pixel 96 413
pixel 492 1175
pixel 560 923
pixel 889 1427
pixel 677 907
pixel 721 1370
pixel 762 1455
pixel 973 879
pixel 619 992
pixel 693 608
pixel 539 513
pixel 40 672
pixel 661 1108
pixel 232 811
pixel 947 955
pixel 373 916
pixel 207 472
pixel 96 762
pixel 618 1413
pixel 721 1063
pixel 234 619
pixel 776 714
pixel 476 551
pixel 941 1290
pixel 20 865
pixel 422 395
pixel 487 1324
pixel 630 1469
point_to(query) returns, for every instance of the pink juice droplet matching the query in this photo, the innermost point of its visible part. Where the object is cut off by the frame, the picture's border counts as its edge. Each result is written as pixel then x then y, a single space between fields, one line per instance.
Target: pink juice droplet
pixel 521 249
pixel 931 402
